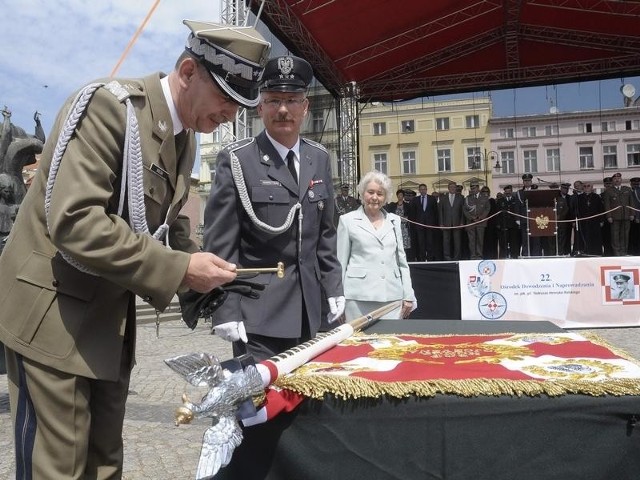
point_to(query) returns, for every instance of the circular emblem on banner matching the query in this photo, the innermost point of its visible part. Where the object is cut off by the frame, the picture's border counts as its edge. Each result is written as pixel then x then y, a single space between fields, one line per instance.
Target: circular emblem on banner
pixel 492 305
pixel 486 267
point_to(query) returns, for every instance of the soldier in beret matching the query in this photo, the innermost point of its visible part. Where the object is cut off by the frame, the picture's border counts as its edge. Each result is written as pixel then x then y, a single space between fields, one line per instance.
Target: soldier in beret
pixel 282 212
pixel 77 257
pixel 617 199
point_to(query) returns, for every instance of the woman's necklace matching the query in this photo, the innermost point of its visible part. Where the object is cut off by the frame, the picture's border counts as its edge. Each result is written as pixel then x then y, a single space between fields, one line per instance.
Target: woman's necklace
pixel 377 220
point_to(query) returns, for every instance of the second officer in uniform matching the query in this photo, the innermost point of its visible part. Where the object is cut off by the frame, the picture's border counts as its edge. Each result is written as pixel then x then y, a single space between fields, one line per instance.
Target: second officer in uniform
pixel 272 201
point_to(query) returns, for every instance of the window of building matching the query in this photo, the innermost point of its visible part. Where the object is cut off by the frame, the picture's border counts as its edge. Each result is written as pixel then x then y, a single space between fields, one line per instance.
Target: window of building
pixel 507 132
pixel 530 160
pixel 508 162
pixel 553 159
pixel 609 126
pixel 409 162
pixel 472 121
pixel 444 159
pixel 632 125
pixel 586 158
pixel 380 162
pixel 317 120
pixel 585 127
pixel 216 135
pixel 528 131
pixel 550 130
pixel 633 154
pixel 442 123
pixel 473 158
pixel 379 128
pixel 408 126
pixel 610 156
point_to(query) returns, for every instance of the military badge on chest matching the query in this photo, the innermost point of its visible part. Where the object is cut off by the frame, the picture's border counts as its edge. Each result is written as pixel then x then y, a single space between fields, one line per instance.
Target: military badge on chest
pixel 312 195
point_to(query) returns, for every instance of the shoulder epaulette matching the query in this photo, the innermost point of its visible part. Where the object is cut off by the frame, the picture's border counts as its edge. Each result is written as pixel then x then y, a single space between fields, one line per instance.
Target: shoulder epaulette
pixel 124 88
pixel 238 144
pixel 319 146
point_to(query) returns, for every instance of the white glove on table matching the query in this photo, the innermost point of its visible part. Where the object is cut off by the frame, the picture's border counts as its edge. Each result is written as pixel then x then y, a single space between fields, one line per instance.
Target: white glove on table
pixel 336 308
pixel 231 331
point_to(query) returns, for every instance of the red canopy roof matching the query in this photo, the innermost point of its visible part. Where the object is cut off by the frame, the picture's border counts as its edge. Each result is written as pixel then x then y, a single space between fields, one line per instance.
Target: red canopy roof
pixel 402 49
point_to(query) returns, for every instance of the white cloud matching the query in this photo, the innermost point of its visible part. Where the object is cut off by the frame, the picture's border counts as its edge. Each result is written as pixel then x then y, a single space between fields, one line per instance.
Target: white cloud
pixel 49 49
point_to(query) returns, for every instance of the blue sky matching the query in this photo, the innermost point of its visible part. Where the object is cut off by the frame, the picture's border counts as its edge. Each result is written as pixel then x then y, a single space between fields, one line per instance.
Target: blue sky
pixel 49 49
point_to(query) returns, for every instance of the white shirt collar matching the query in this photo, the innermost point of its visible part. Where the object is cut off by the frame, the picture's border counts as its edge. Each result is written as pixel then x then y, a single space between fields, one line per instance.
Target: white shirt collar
pixel 282 150
pixel 175 119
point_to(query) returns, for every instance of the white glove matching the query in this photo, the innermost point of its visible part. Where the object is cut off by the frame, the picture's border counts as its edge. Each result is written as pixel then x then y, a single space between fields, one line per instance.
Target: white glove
pixel 336 308
pixel 231 331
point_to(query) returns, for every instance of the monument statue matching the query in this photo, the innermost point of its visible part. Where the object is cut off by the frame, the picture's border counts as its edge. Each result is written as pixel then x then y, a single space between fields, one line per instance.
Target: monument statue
pixel 17 149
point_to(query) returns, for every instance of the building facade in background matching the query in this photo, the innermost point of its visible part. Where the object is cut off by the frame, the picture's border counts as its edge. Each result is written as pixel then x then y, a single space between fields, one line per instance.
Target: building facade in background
pixel 435 142
pixel 431 142
pixel 564 147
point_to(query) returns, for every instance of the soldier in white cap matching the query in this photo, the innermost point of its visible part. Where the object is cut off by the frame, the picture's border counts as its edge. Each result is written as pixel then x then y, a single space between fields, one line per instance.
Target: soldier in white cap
pixel 94 232
pixel 272 202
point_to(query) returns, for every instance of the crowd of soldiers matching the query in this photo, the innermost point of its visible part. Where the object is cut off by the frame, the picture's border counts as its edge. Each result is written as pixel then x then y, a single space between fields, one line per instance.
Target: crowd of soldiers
pixel 450 226
pixel 587 223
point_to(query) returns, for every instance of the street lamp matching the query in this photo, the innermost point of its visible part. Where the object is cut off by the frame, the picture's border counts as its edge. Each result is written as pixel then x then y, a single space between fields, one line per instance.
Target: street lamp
pixel 487 157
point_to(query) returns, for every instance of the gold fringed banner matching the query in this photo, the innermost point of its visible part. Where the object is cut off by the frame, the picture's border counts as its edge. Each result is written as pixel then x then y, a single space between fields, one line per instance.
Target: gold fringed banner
pixel 370 366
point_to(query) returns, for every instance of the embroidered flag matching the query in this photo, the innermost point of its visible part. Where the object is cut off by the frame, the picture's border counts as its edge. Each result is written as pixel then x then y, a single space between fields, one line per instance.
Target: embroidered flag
pixel 469 365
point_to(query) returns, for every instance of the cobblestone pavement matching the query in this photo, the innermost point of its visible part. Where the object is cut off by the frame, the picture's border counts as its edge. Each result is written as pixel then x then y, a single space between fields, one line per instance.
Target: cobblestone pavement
pixel 154 447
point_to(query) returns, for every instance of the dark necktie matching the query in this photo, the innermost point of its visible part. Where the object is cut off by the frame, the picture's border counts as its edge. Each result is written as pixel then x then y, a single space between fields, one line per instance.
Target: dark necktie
pixel 291 164
pixel 180 139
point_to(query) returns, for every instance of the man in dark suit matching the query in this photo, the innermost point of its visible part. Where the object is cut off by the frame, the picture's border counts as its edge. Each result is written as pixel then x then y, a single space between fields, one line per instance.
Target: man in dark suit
pixel 273 201
pixel 606 226
pixel 424 212
pixel 509 224
pixel 531 246
pixel 563 213
pixel 450 215
pixel 76 258
pixel 589 207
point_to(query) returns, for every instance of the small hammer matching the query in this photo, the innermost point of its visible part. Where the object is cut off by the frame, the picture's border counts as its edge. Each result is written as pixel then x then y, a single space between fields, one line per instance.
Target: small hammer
pixel 279 270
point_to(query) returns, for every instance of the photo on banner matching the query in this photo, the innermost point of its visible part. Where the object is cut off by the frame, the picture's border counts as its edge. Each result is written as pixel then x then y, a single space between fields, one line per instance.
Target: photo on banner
pixel 571 293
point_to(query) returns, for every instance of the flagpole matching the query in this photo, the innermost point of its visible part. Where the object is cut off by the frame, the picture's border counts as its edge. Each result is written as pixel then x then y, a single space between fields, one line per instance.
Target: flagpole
pixel 272 368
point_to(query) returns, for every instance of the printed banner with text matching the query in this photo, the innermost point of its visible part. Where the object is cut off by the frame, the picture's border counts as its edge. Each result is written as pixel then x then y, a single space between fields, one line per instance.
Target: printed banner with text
pixel 572 293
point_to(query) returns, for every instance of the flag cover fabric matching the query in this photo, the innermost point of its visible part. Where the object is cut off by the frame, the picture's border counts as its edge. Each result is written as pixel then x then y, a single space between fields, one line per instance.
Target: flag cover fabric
pixel 468 365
